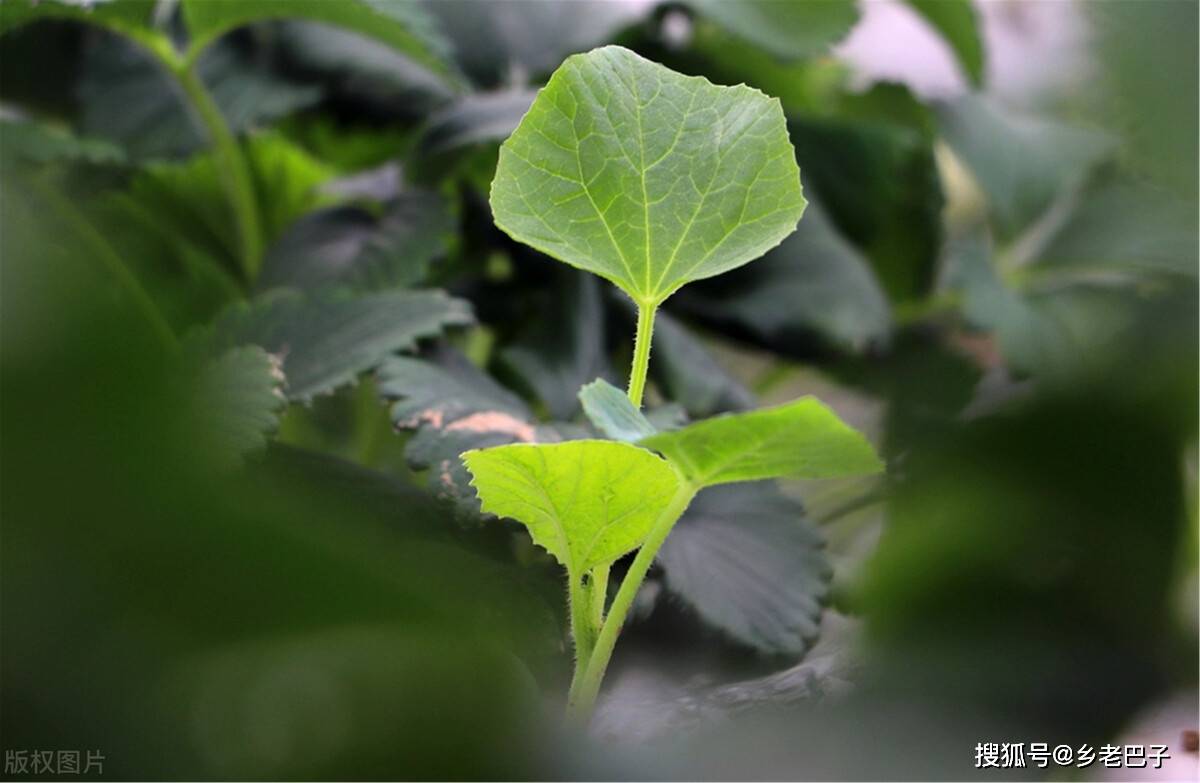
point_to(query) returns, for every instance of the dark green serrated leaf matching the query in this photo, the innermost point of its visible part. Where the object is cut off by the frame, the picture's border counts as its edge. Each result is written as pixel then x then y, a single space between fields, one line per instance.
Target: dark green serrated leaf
pixel 494 41
pixel 186 200
pixel 351 246
pixel 1123 227
pixel 645 177
pixel 326 340
pixel 401 24
pixel 814 284
pixel 238 397
pixel 688 373
pixel 131 18
pixel 129 99
pixel 35 142
pixel 452 407
pixel 801 439
pixel 748 561
pixel 610 411
pixel 587 502
pixel 872 167
pixel 464 125
pixel 958 24
pixel 785 29
pixel 564 348
pixel 1022 163
pixel 374 77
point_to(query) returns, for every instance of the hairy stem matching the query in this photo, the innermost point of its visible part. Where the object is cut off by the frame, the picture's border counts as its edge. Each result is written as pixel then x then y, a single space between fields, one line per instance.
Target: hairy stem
pixel 599 595
pixel 231 165
pixel 641 353
pixel 583 634
pixel 98 246
pixel 583 694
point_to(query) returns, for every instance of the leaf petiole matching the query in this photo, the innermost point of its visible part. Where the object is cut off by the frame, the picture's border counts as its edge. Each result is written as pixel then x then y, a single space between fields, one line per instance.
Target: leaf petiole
pixel 641 352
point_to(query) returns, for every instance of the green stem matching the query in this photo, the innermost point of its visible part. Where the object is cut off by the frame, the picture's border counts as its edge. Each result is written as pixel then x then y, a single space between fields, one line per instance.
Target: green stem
pixel 599 595
pixel 641 353
pixel 101 249
pixel 583 695
pixel 235 176
pixel 582 632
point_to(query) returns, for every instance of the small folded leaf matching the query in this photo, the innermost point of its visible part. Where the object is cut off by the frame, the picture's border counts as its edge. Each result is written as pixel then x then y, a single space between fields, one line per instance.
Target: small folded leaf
pixel 802 439
pixel 646 177
pixel 587 502
pixel 610 410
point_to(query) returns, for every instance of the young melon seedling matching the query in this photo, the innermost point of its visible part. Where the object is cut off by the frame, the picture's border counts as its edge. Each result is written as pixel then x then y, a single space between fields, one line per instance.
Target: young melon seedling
pixel 650 179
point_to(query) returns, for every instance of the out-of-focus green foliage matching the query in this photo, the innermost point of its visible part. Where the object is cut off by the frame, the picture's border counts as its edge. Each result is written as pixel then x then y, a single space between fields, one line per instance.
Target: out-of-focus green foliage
pixel 205 580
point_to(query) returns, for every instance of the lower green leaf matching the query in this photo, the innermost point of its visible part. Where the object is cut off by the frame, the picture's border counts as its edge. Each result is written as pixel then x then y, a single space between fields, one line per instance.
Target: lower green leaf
pixel 587 502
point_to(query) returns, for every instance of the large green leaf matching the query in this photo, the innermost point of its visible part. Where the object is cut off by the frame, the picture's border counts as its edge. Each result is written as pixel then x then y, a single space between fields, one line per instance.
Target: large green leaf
pixel 645 177
pixel 401 24
pixel 327 340
pixel 750 563
pixel 587 502
pixel 785 29
pixel 958 24
pixel 802 439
